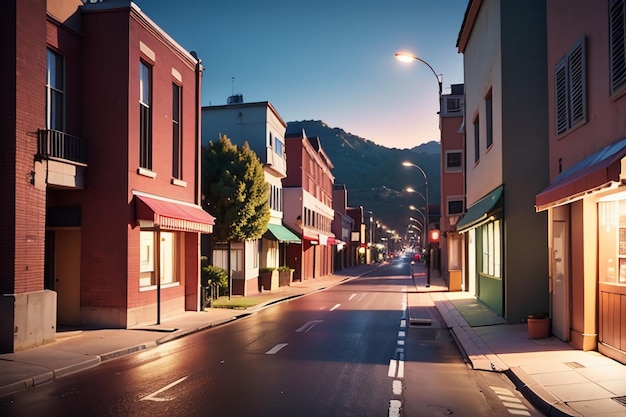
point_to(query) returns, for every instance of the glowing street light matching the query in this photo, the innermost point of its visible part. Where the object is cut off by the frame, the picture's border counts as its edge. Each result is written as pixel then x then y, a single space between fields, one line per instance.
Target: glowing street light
pixel 406 57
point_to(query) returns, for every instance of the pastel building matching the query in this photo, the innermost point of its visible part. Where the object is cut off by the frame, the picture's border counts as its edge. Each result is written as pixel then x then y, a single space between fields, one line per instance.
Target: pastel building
pixel 260 125
pixel 586 199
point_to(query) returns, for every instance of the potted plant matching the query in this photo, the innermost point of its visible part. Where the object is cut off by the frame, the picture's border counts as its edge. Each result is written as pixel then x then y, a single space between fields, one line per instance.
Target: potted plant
pixel 268 278
pixel 538 325
pixel 285 275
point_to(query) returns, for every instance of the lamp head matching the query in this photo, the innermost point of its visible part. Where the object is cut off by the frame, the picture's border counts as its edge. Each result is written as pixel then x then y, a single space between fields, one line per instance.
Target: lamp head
pixel 405 57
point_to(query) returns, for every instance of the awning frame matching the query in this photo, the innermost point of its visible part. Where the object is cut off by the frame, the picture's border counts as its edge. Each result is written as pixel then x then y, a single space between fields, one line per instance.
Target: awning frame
pixel 482 211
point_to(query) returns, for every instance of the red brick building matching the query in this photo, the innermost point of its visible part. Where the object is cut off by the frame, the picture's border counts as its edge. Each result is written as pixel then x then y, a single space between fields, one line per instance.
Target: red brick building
pixel 308 192
pixel 100 161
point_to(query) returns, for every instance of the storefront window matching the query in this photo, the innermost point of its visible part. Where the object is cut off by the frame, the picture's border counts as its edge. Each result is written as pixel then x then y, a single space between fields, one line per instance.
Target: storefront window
pixel 168 256
pixel 612 241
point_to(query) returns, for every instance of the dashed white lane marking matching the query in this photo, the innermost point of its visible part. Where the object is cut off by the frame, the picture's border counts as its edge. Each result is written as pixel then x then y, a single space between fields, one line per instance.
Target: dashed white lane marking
pixel 403 324
pixel 352 297
pixel 308 326
pixel 401 333
pixel 394 408
pixel 396 387
pixel 335 307
pixel 400 369
pixel 276 348
pixel 400 342
pixel 153 396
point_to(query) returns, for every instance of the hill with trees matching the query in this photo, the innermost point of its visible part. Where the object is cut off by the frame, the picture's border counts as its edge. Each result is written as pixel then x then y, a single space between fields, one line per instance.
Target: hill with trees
pixel 374 175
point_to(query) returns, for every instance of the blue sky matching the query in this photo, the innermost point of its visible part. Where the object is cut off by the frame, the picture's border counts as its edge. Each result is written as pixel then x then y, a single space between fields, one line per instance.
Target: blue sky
pixel 329 60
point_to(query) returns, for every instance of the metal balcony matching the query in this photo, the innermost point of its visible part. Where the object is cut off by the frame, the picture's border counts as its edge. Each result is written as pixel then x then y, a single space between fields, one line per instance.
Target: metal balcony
pixel 53 144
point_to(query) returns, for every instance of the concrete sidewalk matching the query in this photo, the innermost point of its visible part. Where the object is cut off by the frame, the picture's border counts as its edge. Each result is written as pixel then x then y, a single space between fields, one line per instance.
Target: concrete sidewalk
pixel 558 379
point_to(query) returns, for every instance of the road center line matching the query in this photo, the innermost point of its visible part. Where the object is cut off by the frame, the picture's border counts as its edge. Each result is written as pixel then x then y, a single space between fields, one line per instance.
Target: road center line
pixel 400 369
pixel 351 297
pixel 335 307
pixel 393 364
pixel 308 326
pixel 403 323
pixel 396 387
pixel 401 333
pixel 276 348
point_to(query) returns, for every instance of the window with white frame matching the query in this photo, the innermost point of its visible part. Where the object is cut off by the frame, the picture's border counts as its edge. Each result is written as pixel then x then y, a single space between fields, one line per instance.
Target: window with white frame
pixel 220 259
pixel 570 86
pixel 145 115
pixel 617 45
pixel 455 206
pixel 454 161
pixel 55 87
pixel 491 249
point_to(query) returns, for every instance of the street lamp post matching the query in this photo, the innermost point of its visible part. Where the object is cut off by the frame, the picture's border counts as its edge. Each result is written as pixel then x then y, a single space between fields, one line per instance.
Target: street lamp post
pixel 404 57
pixel 427 225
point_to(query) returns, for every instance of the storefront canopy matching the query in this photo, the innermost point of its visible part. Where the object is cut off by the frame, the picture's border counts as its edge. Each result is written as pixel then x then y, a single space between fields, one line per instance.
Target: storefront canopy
pixel 595 171
pixel 281 233
pixel 173 215
pixel 480 211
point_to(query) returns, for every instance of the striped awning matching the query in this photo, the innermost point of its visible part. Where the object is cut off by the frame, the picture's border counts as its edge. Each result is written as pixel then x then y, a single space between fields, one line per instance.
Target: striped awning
pixel 173 215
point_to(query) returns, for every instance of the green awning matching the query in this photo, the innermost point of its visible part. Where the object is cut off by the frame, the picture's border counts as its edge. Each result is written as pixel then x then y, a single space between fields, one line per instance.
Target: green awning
pixel 480 210
pixel 281 233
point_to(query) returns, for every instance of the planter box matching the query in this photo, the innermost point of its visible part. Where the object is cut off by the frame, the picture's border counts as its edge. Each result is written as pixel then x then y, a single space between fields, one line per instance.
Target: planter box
pixel 269 280
pixel 538 328
pixel 285 277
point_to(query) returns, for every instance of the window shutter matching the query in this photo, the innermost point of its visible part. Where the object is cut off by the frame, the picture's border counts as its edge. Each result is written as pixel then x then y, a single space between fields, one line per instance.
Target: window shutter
pixel 617 50
pixel 577 83
pixel 560 82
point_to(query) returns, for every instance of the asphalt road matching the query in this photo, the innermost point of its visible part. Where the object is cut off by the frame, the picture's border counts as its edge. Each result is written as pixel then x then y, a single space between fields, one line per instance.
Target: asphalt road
pixel 345 351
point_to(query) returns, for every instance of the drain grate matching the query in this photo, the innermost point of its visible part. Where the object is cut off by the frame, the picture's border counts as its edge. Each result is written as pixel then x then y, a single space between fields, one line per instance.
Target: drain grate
pixel 621 400
pixel 574 365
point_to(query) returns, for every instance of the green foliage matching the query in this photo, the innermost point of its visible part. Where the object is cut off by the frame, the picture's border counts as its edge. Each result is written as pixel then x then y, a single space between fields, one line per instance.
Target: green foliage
pixel 214 275
pixel 234 185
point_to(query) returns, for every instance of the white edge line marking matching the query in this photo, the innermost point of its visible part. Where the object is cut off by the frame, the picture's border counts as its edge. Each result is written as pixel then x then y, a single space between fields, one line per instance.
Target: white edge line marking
pixel 308 326
pixel 276 348
pixel 335 307
pixel 153 396
pixel 392 368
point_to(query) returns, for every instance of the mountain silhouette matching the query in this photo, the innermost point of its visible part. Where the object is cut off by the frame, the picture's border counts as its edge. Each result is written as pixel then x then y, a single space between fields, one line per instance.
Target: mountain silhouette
pixel 375 177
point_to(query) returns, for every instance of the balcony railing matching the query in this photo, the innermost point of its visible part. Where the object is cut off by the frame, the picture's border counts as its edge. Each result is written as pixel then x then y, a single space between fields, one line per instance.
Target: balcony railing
pixel 60 145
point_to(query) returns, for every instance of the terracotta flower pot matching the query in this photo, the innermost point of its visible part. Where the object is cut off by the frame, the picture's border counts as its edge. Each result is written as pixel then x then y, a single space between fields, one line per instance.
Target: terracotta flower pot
pixel 538 328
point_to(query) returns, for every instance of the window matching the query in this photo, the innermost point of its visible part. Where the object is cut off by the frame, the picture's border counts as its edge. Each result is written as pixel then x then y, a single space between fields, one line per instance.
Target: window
pixel 278 147
pixel 570 87
pixel 455 207
pixel 177 133
pixel 612 242
pixel 168 258
pixel 220 259
pixel 617 52
pixel 491 249
pixel 476 140
pixel 488 120
pixel 454 161
pixel 55 86
pixel 453 104
pixel 145 116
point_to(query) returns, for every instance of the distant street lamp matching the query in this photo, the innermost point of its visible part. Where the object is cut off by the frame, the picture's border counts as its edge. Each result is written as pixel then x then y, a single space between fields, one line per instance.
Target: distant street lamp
pixel 427 225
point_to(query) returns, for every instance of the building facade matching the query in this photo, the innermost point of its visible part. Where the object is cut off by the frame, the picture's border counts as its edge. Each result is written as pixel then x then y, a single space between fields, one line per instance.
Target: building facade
pixel 586 200
pixel 308 192
pixel 452 186
pixel 104 222
pixel 506 127
pixel 260 125
pixel 342 227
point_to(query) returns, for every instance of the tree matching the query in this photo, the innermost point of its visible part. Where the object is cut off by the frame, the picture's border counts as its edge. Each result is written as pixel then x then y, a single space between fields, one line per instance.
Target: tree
pixel 233 184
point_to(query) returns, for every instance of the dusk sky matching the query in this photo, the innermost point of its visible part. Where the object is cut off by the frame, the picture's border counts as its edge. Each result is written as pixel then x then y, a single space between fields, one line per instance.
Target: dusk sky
pixel 329 60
